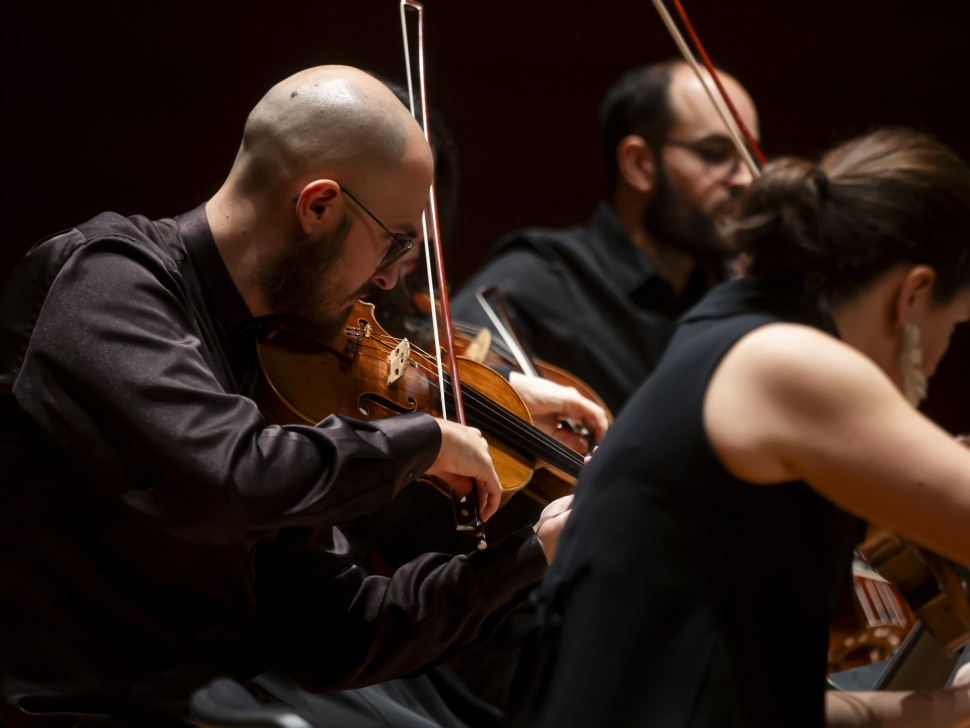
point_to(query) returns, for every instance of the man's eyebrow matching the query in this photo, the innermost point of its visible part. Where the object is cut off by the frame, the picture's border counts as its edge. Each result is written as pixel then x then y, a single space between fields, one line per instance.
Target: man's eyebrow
pixel 715 137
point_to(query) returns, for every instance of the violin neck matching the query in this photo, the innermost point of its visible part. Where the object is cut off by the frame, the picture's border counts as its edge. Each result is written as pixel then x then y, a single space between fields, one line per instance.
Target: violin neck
pixel 522 436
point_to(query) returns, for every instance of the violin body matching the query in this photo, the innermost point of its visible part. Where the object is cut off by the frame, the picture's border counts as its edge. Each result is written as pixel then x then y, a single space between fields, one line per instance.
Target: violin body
pixel 357 375
pixel 872 625
pixel 929 583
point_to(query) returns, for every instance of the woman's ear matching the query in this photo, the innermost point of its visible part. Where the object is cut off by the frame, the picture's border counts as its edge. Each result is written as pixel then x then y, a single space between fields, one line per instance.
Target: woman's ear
pixel 318 206
pixel 637 164
pixel 915 294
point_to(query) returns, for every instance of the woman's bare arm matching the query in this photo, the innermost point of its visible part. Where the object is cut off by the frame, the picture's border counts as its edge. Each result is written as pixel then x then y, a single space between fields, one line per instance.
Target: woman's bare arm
pixel 790 402
pixel 944 708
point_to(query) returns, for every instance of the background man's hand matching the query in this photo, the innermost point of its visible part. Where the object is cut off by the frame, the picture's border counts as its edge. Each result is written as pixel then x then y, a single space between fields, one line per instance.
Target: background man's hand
pixel 549 403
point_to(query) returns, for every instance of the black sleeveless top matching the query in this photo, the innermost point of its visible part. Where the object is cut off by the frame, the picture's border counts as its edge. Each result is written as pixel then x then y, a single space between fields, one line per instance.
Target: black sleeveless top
pixel 681 595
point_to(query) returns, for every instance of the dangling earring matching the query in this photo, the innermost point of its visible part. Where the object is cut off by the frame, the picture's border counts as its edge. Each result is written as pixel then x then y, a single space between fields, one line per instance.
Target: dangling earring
pixel 911 365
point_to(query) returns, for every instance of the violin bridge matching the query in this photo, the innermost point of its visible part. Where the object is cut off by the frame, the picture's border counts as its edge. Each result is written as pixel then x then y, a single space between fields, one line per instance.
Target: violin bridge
pixel 478 349
pixel 397 361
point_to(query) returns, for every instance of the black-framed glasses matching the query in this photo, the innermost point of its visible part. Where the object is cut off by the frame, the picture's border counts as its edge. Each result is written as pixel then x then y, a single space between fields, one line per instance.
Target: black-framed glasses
pixel 395 252
pixel 719 156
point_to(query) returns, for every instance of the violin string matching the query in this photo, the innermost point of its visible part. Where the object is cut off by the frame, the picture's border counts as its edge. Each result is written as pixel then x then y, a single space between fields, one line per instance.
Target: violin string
pixel 508 420
pixel 503 421
pixel 547 448
pixel 544 446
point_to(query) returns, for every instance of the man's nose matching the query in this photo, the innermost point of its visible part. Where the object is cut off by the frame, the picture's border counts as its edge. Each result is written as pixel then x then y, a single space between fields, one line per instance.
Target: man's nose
pixel 742 177
pixel 387 277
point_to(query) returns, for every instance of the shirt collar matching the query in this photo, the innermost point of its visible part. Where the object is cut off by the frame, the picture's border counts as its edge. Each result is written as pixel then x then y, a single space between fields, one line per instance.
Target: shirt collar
pixel 221 295
pixel 622 260
pixel 634 273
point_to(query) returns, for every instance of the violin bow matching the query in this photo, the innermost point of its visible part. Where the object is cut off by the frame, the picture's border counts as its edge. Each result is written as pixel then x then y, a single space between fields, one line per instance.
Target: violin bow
pixel 499 321
pixel 724 107
pixel 466 511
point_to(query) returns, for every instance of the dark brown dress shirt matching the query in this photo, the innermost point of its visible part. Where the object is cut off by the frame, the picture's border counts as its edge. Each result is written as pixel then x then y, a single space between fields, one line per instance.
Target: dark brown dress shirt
pixel 157 531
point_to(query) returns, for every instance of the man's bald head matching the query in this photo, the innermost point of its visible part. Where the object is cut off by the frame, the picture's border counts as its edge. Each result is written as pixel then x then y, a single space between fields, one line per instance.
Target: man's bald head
pixel 335 121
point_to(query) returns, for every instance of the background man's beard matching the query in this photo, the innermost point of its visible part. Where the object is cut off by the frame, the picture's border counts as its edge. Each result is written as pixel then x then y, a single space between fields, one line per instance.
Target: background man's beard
pixel 290 284
pixel 673 221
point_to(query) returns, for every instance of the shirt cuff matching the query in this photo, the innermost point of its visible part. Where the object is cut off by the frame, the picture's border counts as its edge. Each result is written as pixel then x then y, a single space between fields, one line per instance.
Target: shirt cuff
pixel 509 566
pixel 414 441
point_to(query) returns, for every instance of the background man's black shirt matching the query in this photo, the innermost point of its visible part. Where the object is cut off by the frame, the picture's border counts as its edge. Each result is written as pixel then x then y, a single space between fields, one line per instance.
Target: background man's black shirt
pixel 585 299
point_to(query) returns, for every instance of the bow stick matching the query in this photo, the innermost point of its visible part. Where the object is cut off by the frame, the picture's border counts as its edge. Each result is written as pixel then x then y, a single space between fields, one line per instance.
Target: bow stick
pixel 466 511
pixel 688 55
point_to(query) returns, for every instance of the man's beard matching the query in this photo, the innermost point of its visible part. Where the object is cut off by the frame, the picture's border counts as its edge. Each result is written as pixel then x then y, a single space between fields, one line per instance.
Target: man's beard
pixel 673 221
pixel 292 285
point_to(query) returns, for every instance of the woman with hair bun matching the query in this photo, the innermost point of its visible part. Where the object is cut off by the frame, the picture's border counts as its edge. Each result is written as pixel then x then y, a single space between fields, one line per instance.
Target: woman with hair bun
pixel 712 533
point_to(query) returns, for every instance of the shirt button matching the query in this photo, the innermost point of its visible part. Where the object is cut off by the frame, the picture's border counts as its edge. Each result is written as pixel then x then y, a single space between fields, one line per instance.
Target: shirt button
pixel 410 476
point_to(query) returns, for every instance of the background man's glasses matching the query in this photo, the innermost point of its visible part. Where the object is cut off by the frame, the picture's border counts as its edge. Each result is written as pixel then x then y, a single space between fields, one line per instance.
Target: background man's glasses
pixel 722 160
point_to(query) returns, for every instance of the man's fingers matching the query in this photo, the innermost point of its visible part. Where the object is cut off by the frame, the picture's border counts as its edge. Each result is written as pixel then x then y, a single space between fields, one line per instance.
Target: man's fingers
pixel 465 456
pixel 588 412
pixel 461 484
pixel 558 506
pixel 572 440
pixel 489 497
pixel 545 397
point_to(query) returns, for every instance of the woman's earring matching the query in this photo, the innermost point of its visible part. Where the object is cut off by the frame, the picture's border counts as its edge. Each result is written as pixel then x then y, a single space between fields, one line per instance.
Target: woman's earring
pixel 911 365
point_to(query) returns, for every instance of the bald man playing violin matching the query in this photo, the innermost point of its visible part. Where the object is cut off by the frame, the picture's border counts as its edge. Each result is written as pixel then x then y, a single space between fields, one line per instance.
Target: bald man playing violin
pixel 156 530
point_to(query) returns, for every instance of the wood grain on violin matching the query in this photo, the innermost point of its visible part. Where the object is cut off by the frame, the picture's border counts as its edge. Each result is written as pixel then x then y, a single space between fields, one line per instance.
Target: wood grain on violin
pixel 357 375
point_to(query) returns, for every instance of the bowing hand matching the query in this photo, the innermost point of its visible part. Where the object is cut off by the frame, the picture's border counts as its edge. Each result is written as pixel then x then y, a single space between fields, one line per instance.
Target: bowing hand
pixel 464 458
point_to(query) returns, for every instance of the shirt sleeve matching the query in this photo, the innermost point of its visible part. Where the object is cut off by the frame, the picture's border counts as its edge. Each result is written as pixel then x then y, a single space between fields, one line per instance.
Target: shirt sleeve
pixel 118 376
pixel 339 629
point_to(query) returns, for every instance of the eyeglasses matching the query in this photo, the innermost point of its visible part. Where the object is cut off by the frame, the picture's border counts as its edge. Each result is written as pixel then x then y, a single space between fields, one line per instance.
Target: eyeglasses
pixel 720 157
pixel 395 252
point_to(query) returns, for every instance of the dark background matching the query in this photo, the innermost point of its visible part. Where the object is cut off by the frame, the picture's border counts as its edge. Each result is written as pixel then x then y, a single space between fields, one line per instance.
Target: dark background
pixel 138 107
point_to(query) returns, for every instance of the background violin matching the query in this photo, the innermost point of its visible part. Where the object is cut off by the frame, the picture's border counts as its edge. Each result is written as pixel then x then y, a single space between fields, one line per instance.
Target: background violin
pixel 936 590
pixel 477 343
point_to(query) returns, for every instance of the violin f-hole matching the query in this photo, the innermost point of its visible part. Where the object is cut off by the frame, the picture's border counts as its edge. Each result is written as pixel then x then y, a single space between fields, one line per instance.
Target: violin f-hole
pixel 379 401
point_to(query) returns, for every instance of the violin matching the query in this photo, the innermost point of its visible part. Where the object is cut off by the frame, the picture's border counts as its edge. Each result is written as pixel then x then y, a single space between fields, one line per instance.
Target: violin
pixel 872 625
pixel 367 374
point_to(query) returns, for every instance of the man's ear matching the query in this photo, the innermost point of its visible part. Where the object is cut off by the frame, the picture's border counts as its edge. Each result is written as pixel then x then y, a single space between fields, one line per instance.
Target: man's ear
pixel 319 206
pixel 915 293
pixel 637 164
